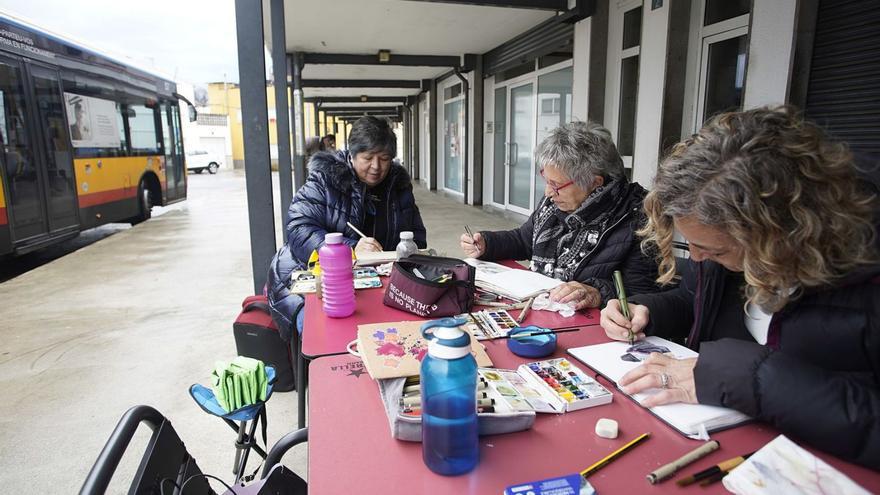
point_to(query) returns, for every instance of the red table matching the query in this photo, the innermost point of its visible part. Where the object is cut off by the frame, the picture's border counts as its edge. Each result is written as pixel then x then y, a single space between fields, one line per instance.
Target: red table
pixel 351 449
pixel 323 336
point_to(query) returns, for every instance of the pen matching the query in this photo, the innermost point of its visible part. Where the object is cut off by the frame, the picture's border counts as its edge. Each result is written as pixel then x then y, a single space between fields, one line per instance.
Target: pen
pixel 525 311
pixel 668 470
pixel 714 470
pixel 621 297
pixel 355 229
pixel 614 455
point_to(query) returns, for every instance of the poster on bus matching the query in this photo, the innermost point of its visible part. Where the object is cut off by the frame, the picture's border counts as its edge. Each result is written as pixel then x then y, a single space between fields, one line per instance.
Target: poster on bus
pixel 93 121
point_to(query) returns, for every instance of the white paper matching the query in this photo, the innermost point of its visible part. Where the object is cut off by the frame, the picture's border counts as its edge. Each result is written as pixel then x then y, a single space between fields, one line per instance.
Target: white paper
pixel 783 468
pixel 687 418
pixel 512 283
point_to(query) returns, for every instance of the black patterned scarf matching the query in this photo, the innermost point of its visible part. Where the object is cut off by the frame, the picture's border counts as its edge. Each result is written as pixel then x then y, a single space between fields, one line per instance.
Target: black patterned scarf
pixel 561 241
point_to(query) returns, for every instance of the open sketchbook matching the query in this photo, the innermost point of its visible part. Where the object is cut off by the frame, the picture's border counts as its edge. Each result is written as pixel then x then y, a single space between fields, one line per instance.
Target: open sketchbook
pixel 511 283
pixel 613 361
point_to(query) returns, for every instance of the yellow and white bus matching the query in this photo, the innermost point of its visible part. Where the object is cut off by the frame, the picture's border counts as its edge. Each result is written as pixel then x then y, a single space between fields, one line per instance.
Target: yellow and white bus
pixel 86 139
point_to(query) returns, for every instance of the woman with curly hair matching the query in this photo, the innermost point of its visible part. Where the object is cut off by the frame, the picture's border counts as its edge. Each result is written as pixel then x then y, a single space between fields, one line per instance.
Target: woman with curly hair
pixel 781 295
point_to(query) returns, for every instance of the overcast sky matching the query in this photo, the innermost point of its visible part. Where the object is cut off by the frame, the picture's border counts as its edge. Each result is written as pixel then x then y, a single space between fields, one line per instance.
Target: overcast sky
pixel 191 41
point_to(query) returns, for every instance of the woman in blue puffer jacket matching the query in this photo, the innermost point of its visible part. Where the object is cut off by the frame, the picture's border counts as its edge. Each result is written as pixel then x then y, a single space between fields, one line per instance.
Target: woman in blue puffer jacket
pixel 363 185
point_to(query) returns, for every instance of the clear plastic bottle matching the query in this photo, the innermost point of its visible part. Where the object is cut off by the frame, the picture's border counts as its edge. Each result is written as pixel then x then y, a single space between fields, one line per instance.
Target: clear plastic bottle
pixel 406 247
pixel 450 442
pixel 337 279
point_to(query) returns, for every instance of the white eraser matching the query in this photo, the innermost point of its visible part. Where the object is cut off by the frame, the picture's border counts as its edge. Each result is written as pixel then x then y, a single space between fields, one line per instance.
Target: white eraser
pixel 606 428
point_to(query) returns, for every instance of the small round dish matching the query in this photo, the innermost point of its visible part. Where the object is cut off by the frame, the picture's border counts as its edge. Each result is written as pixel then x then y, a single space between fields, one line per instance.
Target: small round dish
pixel 530 345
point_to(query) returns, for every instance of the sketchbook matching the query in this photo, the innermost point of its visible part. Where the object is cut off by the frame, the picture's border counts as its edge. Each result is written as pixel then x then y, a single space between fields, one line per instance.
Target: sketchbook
pixel 396 349
pixel 613 360
pixel 511 283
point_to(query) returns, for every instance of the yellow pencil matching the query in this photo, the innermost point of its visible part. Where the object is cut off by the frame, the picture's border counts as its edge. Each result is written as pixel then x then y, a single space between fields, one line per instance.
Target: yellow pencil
pixel 614 455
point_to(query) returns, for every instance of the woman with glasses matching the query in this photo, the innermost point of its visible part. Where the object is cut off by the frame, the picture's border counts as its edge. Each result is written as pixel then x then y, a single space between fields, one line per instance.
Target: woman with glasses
pixel 583 229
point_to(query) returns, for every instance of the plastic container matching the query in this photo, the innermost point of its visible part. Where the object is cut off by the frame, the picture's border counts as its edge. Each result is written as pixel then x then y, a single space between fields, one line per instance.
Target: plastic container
pixel 337 279
pixel 406 247
pixel 450 441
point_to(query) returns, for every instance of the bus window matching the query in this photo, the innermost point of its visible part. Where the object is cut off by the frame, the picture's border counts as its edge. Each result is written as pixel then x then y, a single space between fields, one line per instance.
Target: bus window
pixel 95 124
pixel 142 126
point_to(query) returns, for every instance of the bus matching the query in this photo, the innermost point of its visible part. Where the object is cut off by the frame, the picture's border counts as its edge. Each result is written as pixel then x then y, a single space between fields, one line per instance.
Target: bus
pixel 86 139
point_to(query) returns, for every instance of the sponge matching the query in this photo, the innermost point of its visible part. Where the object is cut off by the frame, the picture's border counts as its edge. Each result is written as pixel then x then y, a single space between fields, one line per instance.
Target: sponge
pixel 606 428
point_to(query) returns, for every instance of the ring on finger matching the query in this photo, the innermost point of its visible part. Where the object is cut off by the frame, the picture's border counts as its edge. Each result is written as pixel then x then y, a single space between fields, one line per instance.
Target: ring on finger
pixel 664 380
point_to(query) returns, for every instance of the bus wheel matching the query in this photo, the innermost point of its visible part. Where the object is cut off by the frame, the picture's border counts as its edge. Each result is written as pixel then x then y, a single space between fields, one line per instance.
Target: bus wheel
pixel 145 206
pixel 212 168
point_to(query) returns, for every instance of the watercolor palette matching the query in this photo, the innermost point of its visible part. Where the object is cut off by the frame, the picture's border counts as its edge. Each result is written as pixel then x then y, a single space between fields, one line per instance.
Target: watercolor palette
pixel 489 324
pixel 551 386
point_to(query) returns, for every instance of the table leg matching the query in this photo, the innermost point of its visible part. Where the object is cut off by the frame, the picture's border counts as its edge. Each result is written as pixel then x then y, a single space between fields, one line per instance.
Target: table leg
pixel 301 389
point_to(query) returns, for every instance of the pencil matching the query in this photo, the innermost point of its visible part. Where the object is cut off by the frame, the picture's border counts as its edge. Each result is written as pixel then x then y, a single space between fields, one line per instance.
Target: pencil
pixel 525 311
pixel 471 235
pixel 614 455
pixel 624 306
pixel 355 229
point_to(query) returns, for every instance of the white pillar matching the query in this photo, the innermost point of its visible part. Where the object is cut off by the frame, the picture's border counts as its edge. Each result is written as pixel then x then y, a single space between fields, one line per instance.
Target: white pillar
pixel 771 50
pixel 581 70
pixel 652 74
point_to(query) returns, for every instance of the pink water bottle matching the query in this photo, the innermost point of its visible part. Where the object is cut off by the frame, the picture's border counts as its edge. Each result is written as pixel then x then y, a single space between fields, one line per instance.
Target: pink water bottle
pixel 337 279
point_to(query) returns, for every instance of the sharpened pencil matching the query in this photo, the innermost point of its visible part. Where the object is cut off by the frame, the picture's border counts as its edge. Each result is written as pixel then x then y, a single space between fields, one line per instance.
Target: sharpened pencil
pixel 355 229
pixel 614 455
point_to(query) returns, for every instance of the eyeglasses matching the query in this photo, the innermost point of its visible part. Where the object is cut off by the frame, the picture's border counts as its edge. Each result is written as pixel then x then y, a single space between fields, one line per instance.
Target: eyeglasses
pixel 553 185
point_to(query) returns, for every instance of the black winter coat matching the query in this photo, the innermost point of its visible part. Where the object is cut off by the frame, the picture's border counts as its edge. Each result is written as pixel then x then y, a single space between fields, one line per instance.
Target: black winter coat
pixel 617 249
pixel 818 377
pixel 332 196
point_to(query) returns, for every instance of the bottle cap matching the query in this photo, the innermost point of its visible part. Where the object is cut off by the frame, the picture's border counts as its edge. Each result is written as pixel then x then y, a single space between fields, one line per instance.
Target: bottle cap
pixel 406 235
pixel 446 339
pixel 333 238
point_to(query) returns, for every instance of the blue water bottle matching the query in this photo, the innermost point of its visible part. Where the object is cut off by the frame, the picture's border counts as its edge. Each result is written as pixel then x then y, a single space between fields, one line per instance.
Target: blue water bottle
pixel 450 443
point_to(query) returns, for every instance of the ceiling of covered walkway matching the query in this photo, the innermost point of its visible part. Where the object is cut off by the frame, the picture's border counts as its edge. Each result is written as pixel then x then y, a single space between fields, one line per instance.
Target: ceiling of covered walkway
pixel 437 31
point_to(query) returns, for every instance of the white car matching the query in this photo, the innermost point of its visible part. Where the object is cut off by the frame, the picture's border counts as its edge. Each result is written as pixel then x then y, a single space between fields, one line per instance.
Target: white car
pixel 198 160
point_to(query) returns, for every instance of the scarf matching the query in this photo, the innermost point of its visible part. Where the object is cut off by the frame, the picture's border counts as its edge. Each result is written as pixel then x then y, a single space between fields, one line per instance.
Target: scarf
pixel 562 241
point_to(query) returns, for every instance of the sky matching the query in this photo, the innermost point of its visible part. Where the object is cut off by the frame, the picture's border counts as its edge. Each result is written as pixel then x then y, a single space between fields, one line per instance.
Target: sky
pixel 191 41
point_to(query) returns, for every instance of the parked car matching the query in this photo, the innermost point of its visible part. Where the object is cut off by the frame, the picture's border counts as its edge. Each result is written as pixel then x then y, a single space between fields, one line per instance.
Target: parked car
pixel 199 160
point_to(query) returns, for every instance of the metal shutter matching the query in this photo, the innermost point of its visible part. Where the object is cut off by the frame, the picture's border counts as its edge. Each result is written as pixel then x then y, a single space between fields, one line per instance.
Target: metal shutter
pixel 549 36
pixel 843 94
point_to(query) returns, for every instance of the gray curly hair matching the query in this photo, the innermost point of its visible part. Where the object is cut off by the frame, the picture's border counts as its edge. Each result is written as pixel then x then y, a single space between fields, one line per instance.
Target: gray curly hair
pixel 582 151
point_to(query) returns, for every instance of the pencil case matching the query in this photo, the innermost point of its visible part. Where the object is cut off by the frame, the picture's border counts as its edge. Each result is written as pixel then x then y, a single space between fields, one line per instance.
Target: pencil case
pixel 409 428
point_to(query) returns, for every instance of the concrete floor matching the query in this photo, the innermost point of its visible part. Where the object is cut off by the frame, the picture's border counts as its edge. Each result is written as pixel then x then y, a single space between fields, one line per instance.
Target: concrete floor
pixel 136 318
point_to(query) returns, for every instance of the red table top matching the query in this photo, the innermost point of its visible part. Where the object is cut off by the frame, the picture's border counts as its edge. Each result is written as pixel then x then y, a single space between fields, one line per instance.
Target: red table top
pixel 351 448
pixel 324 336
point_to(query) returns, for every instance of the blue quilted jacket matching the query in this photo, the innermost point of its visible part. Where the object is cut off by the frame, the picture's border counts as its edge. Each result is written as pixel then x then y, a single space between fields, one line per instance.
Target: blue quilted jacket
pixel 332 196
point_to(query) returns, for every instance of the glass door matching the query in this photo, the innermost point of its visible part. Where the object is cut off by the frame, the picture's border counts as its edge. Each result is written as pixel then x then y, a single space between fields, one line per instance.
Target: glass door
pixel 519 147
pixel 22 184
pixel 55 152
pixel 453 117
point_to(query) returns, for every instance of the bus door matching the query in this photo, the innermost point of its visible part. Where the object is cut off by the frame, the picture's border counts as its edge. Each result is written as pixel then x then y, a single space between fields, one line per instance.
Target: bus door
pixel 21 180
pixel 175 175
pixel 54 150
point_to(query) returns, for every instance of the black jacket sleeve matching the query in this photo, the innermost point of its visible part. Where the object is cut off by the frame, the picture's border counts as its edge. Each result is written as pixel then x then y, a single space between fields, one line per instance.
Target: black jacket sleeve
pixel 513 244
pixel 639 273
pixel 835 411
pixel 671 313
pixel 308 220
